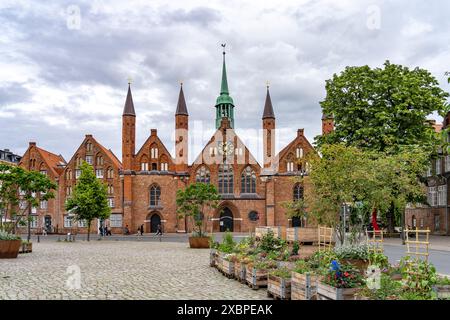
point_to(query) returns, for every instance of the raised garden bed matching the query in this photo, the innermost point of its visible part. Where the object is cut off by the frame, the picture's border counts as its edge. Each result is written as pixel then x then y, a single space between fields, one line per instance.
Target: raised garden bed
pixel 256 278
pixel 303 286
pixel 302 235
pixel 442 291
pixel 239 271
pixel 278 287
pixel 278 232
pixel 227 268
pixel 327 292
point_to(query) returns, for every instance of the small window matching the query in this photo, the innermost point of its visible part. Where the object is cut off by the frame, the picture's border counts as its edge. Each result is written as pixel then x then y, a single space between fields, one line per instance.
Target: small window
pixel 154 166
pixel 43 204
pixel 99 173
pixel 77 173
pixel 111 202
pixel 89 160
pixel 67 221
pixel 44 172
pixel 82 223
pixel 144 166
pixel 155 196
pixel 33 222
pixel 33 210
pixel 164 167
pixel 115 220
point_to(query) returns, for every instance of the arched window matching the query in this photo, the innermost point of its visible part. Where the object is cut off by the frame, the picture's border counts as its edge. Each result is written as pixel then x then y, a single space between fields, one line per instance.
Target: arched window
pixel 155 196
pixel 110 173
pixel 99 160
pixel 144 163
pixel 88 147
pixel 69 174
pixel 225 180
pixel 154 151
pixel 203 175
pixel 248 180
pixel 298 192
pixel 299 152
pixel 164 165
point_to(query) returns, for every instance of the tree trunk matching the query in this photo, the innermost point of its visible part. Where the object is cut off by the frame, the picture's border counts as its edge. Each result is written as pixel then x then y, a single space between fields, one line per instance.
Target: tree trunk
pixel 89 230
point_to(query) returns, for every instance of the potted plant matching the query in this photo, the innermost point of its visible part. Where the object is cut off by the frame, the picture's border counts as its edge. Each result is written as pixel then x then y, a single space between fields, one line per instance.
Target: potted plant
pixel 9 245
pixel 340 282
pixel 304 281
pixel 442 288
pixel 192 204
pixel 279 283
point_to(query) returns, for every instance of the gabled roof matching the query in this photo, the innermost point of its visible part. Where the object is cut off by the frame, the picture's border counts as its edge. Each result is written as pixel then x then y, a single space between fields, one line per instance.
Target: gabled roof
pixel 53 161
pixel 158 141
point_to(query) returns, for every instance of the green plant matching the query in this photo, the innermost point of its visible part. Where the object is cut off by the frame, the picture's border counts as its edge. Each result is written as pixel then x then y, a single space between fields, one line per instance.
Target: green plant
pixel 389 289
pixel 265 264
pixel 8 236
pixel 343 276
pixel 270 243
pixel 303 267
pixel 443 281
pixel 227 244
pixel 284 273
pixel 360 252
pixel 378 259
pixel 295 248
pixel 419 276
pixel 322 259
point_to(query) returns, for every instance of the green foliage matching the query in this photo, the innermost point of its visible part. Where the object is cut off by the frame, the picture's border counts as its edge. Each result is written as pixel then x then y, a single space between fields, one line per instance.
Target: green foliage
pixel 345 276
pixel 419 276
pixel 265 264
pixel 389 289
pixel 89 199
pixel 283 272
pixel 443 281
pixel 295 248
pixel 303 267
pixel 322 259
pixel 228 244
pixel 270 243
pixel 360 252
pixel 383 108
pixel 18 185
pixel 193 203
pixel 378 259
pixel 296 209
pixel 8 236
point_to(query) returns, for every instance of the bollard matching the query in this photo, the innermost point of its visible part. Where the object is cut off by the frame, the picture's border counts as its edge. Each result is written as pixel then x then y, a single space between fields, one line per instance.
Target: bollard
pixel 38 239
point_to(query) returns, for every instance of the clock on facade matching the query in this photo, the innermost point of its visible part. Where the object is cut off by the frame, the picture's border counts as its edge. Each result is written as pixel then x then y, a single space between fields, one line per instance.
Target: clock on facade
pixel 226 148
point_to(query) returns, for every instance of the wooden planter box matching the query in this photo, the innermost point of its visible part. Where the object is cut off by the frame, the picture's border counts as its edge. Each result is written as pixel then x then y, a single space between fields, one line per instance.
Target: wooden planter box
pixel 199 242
pixel 26 248
pixel 278 232
pixel 326 292
pixel 303 286
pixel 227 268
pixel 278 288
pixel 9 249
pixel 219 259
pixel 302 235
pixel 239 271
pixel 256 278
pixel 442 291
pixel 361 265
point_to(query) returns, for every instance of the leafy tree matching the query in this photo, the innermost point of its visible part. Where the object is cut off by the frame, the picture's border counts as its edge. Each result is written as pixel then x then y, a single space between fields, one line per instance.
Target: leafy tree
pixel 20 190
pixel 89 199
pixel 384 110
pixel 363 179
pixel 193 202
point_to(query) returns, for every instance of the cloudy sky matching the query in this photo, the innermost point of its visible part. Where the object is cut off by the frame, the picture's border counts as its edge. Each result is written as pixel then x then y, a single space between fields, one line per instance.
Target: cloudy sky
pixel 65 64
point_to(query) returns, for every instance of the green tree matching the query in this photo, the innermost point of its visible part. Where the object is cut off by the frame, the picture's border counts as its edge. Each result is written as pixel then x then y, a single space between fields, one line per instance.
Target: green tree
pixel 193 202
pixel 89 199
pixel 363 179
pixel 384 110
pixel 20 190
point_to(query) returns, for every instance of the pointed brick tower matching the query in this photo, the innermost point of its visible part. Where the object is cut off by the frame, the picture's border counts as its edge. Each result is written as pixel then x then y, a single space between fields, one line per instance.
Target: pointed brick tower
pixel 128 150
pixel 268 119
pixel 327 124
pixel 181 134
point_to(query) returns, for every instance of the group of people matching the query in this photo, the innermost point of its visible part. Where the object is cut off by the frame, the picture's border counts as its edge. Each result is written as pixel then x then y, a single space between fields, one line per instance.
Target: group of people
pixel 105 231
pixel 141 230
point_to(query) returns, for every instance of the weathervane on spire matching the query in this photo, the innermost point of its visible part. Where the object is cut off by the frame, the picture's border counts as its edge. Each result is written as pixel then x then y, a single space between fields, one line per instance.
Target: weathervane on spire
pixel 223 46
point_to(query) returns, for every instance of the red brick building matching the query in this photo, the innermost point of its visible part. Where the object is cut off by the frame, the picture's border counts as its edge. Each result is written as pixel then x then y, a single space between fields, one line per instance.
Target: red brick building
pixel 143 185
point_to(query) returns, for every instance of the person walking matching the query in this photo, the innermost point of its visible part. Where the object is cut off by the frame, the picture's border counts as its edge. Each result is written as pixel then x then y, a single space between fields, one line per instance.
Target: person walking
pixel 141 229
pixel 159 230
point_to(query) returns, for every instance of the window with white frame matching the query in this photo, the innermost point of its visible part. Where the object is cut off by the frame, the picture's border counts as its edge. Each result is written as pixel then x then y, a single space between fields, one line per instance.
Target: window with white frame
pixel 144 166
pixel 67 221
pixel 33 210
pixel 77 173
pixel 438 166
pixel 33 222
pixel 82 223
pixel 99 173
pixel 43 204
pixel 432 196
pixel 111 202
pixel 89 160
pixel 447 163
pixel 115 220
pixel 154 153
pixel 442 195
pixel 290 166
pixel 299 152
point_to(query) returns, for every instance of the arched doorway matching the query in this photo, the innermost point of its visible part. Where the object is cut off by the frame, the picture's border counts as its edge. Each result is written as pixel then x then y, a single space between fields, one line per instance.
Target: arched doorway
pixel 48 223
pixel 226 220
pixel 297 222
pixel 154 221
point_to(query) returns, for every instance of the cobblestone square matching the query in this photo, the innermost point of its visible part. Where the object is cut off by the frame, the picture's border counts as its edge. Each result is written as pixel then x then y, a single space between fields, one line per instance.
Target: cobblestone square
pixel 117 270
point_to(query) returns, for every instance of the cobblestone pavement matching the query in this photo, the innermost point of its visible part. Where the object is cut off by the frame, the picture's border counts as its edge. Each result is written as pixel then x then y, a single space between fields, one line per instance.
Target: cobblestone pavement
pixel 117 270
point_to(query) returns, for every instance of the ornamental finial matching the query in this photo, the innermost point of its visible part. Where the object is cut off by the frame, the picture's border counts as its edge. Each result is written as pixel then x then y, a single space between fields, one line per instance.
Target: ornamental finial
pixel 223 46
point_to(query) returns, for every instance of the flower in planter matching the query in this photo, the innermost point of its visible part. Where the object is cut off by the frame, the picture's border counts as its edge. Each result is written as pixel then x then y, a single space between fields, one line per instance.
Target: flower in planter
pixel 343 276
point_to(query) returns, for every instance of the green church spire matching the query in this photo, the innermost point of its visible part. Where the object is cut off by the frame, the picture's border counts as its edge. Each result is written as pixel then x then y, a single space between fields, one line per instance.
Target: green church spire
pixel 224 103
